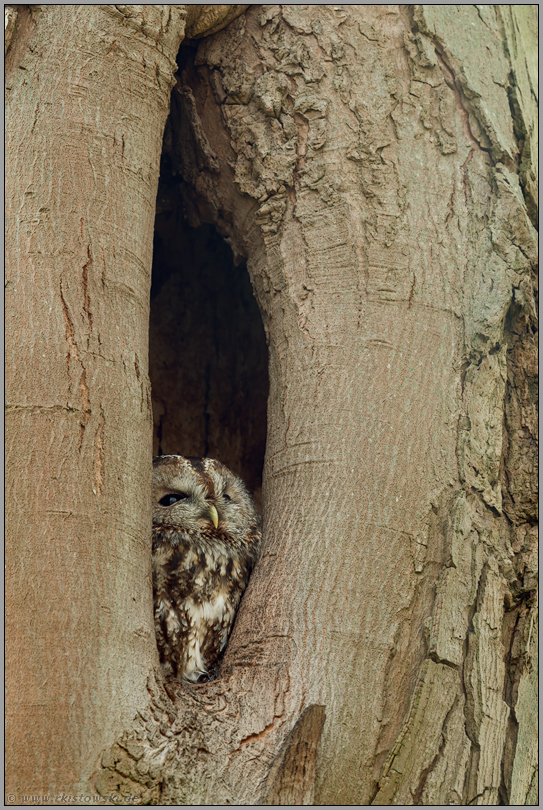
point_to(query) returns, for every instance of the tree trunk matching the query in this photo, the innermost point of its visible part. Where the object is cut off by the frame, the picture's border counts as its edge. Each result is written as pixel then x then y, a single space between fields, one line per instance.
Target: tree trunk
pixel 88 91
pixel 375 167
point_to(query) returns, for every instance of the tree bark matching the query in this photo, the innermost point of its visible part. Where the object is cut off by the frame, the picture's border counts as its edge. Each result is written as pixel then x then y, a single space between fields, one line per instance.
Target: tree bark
pixel 88 90
pixel 375 165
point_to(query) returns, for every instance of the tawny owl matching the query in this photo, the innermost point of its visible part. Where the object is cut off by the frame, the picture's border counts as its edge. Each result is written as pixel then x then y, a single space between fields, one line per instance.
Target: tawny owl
pixel 206 536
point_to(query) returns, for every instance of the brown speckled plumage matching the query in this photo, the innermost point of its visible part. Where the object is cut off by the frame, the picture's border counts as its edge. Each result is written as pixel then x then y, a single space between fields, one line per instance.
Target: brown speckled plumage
pixel 206 536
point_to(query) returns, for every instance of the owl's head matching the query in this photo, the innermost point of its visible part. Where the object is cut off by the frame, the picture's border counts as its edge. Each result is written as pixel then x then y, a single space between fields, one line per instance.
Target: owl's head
pixel 201 494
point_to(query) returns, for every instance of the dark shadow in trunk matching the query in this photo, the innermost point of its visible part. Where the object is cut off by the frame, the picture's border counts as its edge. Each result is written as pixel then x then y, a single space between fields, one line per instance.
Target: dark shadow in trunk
pixel 208 359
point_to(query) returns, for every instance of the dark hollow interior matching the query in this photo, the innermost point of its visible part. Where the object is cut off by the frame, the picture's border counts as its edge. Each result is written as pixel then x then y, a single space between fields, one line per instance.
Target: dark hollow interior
pixel 208 360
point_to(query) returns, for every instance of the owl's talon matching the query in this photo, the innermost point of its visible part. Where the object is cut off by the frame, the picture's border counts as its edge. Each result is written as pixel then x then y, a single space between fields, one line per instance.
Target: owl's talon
pixel 211 675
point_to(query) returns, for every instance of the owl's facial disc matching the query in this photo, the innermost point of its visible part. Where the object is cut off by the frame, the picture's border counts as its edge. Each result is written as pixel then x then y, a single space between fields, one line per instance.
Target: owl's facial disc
pixel 192 504
pixel 198 494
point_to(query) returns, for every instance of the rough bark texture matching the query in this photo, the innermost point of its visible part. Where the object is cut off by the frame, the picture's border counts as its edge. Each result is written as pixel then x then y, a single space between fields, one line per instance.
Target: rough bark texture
pixel 88 90
pixel 367 162
pixel 374 164
pixel 87 100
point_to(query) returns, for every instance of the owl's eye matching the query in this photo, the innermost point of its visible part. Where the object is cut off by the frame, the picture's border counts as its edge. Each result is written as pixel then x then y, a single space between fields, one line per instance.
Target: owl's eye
pixel 169 500
pixel 226 496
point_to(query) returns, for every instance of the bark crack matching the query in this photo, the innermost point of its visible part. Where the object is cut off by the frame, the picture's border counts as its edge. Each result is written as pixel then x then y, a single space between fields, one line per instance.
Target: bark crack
pixel 73 355
pixel 84 279
pixel 426 772
pixel 451 82
pixel 260 735
pixel 99 454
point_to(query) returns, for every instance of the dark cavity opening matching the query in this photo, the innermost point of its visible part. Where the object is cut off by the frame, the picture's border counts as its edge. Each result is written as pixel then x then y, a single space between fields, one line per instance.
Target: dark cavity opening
pixel 207 356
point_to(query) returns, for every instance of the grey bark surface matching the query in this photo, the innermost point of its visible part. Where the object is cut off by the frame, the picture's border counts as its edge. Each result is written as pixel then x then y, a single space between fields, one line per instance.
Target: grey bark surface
pixel 87 96
pixel 367 162
pixel 374 164
pixel 78 445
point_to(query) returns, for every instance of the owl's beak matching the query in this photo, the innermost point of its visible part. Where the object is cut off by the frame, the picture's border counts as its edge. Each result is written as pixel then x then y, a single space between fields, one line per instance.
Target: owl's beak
pixel 213 514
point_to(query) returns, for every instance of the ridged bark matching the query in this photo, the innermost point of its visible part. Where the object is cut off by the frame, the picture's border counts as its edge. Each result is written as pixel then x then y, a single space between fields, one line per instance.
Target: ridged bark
pixel 367 161
pixel 87 96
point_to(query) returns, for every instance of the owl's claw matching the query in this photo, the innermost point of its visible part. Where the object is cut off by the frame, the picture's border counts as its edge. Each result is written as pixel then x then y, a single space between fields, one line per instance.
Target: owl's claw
pixel 211 675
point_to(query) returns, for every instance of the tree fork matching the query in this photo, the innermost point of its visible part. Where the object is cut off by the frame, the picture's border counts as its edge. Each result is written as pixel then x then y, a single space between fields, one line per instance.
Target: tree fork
pixel 305 208
pixel 369 171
